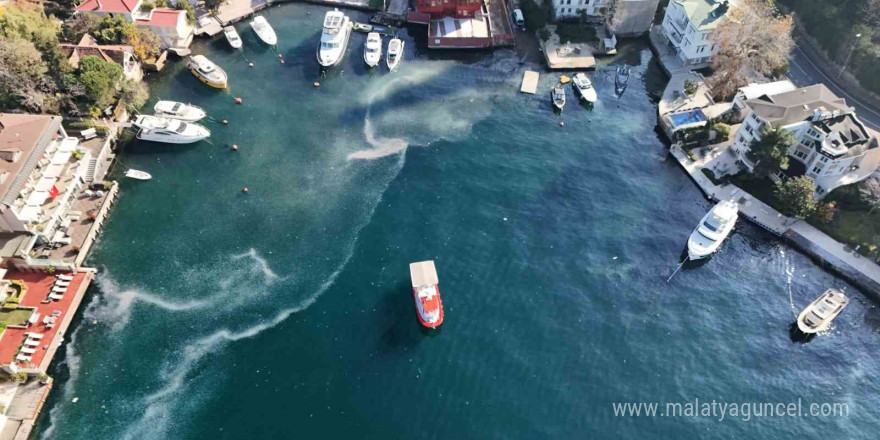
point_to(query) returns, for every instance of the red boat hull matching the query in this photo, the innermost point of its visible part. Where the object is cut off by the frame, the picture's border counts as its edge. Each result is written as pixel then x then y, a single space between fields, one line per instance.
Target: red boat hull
pixel 422 320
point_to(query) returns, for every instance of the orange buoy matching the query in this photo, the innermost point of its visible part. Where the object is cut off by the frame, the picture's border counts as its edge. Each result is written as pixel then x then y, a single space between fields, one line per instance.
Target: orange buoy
pixel 250 64
pixel 244 190
pixel 234 147
pixel 317 84
pixel 225 122
pixel 238 100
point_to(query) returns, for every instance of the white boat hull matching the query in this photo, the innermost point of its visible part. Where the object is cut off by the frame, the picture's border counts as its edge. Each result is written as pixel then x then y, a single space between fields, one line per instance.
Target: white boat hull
pixel 138 175
pixel 703 242
pixel 395 61
pixel 331 58
pixel 144 135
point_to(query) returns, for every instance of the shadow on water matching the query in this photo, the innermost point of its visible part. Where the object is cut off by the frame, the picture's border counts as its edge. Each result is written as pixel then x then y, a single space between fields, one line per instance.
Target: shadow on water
pixel 397 316
pixel 798 336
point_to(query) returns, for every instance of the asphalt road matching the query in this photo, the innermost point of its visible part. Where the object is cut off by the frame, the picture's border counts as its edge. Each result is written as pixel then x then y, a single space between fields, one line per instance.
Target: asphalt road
pixel 804 73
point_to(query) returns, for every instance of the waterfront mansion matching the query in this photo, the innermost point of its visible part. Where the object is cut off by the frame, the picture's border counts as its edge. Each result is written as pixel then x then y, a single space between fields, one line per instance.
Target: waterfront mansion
pixel 688 25
pixel 833 146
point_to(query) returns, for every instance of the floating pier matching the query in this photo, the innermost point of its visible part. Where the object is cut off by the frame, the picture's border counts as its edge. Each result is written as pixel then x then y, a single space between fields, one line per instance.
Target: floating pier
pixel 529 82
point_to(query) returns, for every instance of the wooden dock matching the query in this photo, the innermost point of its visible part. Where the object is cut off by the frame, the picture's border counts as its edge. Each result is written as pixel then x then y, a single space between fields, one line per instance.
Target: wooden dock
pixel 529 82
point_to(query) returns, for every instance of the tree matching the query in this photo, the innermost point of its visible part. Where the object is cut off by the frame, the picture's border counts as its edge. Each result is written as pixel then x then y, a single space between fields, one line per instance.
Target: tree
pixel 100 78
pixel 81 24
pixel 22 74
pixel 133 94
pixel 212 5
pixel 754 38
pixel 770 153
pixel 794 197
pixel 722 131
pixel 147 6
pixel 112 30
pixel 690 87
pixel 190 11
pixel 825 212
pixel 146 44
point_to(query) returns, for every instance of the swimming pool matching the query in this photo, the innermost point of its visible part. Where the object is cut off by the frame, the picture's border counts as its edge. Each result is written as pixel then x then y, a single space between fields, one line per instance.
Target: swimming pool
pixel 687 118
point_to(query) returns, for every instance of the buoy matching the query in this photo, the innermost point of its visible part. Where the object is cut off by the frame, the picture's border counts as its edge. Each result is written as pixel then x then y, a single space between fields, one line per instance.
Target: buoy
pixel 250 64
pixel 282 61
pixel 244 190
pixel 238 100
pixel 234 147
pixel 75 399
pixel 561 124
pixel 317 84
pixel 279 55
pixel 225 122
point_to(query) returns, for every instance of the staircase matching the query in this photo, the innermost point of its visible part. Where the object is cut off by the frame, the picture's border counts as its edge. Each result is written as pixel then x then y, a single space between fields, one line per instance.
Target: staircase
pixel 90 170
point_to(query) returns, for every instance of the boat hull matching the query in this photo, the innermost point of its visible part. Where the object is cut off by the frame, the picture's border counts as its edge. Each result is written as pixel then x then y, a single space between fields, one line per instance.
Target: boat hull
pixel 423 319
pixel 214 84
pixel 342 51
pixel 393 63
pixel 165 140
pixel 825 324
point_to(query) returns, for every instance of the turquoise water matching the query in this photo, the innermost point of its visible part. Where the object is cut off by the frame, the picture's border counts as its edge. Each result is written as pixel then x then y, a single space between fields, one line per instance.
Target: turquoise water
pixel 285 312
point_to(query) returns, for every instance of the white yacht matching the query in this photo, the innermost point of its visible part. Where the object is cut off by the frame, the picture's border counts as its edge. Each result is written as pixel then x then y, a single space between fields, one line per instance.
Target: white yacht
pixel 178 110
pixel 373 49
pixel 232 37
pixel 138 174
pixel 172 131
pixel 395 53
pixel 557 96
pixel 584 87
pixel 264 30
pixel 712 230
pixel 334 38
pixel 819 314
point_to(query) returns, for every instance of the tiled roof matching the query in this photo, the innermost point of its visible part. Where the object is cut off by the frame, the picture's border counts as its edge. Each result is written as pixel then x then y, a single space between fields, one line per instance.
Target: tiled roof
pixel 162 17
pixel 107 6
pixel 27 136
pixel 795 106
pixel 88 46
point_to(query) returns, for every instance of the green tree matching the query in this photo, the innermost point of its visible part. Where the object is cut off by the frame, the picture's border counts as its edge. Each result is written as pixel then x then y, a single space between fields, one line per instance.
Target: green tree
pixel 146 44
pixel 81 24
pixel 147 6
pixel 794 197
pixel 100 78
pixel 212 5
pixel 535 16
pixel 133 94
pixel 112 30
pixel 190 11
pixel 770 153
pixel 690 87
pixel 22 74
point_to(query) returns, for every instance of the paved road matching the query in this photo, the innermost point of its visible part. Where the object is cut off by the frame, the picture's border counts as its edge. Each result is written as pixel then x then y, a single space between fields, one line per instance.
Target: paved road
pixel 804 73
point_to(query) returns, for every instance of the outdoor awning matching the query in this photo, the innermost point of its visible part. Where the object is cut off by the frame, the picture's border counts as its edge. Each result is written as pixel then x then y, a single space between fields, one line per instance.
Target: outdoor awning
pixel 61 158
pixel 45 184
pixel 53 171
pixel 30 213
pixel 37 198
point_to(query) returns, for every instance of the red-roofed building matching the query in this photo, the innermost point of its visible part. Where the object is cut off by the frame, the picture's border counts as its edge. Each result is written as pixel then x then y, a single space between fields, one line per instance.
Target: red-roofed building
pixel 35 328
pixel 122 55
pixel 170 25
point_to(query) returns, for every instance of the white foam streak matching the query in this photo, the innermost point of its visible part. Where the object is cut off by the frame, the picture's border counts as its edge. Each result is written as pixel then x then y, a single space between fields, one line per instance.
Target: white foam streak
pixel 260 263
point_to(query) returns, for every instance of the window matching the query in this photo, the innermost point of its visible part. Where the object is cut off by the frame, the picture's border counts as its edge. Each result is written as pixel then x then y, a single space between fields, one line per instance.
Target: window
pixel 805 142
pixel 824 159
pixel 742 140
pixel 800 154
pixel 749 129
pixel 700 49
pixel 817 170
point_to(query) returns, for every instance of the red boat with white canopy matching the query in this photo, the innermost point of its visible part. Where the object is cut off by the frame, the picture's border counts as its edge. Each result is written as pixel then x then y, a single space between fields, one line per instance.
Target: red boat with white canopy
pixel 429 308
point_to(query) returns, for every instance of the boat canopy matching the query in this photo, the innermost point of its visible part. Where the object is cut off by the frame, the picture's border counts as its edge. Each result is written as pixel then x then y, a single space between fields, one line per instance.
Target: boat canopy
pixel 423 273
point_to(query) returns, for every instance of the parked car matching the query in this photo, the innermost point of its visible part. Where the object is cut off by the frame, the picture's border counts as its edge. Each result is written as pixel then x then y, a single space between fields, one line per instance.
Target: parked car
pixel 518 17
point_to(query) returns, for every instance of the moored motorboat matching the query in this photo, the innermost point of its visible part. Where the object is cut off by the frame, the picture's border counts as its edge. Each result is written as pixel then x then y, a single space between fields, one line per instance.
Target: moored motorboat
pixel 712 230
pixel 232 37
pixel 818 315
pixel 426 293
pixel 138 175
pixel 334 38
pixel 206 71
pixel 584 87
pixel 557 95
pixel 264 30
pixel 621 79
pixel 167 130
pixel 178 110
pixel 395 53
pixel 373 49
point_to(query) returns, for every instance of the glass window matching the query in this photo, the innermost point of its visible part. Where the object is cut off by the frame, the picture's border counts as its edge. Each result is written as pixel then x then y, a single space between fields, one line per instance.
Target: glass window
pixel 817 170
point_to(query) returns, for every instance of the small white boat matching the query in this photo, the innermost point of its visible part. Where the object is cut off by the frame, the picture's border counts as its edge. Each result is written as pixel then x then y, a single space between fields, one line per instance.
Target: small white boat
pixel 584 87
pixel 178 110
pixel 621 79
pixel 557 95
pixel 264 30
pixel 334 38
pixel 171 131
pixel 139 175
pixel 712 230
pixel 232 37
pixel 373 49
pixel 395 53
pixel 818 315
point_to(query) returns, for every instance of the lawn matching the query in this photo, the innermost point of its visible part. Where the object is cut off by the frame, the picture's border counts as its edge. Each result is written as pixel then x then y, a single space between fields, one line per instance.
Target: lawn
pixel 15 316
pixel 855 228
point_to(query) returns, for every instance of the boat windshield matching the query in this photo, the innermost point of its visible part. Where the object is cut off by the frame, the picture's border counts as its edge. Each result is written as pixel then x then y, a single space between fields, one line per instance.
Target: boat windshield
pixel 712 224
pixel 181 128
pixel 176 107
pixel 329 45
pixel 372 49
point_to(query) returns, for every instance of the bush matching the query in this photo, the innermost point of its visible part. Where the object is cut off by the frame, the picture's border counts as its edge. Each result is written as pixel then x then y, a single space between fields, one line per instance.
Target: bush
pixel 711 175
pixel 190 11
pixel 535 16
pixel 690 87
pixel 576 33
pixel 147 6
pixel 794 197
pixel 544 34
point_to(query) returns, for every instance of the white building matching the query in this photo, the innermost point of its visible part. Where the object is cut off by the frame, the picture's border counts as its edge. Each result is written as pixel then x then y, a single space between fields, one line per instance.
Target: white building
pixel 573 8
pixel 688 24
pixel 755 91
pixel 833 147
